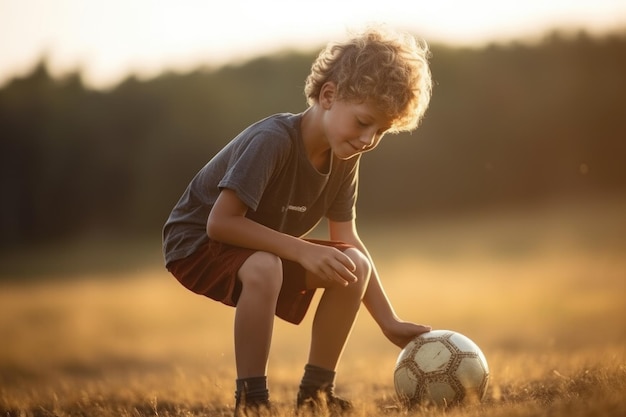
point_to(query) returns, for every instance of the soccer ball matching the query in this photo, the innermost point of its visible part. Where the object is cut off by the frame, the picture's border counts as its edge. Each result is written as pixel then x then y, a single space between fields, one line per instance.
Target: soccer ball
pixel 441 367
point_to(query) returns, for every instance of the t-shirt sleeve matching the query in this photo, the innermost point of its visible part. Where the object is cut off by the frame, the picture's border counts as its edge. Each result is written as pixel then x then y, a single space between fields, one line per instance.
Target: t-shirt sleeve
pixel 343 207
pixel 254 163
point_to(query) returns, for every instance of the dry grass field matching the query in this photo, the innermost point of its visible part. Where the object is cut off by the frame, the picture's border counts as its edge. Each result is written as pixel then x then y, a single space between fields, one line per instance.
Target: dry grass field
pixel 543 295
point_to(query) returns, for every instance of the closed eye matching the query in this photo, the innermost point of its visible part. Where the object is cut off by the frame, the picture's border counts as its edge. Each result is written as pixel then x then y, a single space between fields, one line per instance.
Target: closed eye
pixel 362 123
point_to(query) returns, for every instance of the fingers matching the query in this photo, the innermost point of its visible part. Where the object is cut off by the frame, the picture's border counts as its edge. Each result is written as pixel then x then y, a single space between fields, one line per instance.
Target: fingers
pixel 330 265
pixel 402 335
pixel 346 278
pixel 337 272
pixel 340 269
pixel 347 262
pixel 345 270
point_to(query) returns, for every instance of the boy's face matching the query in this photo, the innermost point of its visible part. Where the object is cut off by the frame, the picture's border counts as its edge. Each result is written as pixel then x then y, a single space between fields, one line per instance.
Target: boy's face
pixel 354 128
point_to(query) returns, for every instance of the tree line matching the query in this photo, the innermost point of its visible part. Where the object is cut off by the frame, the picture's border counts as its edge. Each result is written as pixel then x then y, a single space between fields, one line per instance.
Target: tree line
pixel 508 124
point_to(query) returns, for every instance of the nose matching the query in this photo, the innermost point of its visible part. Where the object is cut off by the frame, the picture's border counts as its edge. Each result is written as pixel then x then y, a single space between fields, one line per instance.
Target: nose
pixel 368 139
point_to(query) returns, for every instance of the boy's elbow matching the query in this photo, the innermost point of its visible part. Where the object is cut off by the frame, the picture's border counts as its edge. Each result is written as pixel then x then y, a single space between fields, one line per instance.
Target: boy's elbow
pixel 213 228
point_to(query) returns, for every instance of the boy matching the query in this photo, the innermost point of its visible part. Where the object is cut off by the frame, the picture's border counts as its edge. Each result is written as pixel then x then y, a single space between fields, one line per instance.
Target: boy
pixel 236 233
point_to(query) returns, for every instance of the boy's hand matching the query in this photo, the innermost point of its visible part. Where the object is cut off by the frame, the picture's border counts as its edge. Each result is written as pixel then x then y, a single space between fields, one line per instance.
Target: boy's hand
pixel 329 264
pixel 400 333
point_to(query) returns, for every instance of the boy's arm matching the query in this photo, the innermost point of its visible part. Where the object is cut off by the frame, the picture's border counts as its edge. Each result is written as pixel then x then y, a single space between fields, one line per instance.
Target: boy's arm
pixel 375 300
pixel 228 223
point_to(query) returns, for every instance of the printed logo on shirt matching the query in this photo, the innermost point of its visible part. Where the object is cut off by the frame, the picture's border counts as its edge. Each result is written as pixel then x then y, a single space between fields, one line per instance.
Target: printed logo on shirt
pixel 299 209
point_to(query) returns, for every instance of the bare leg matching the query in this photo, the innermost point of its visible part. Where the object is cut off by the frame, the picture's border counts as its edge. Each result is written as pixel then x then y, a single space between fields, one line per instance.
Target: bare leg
pixel 261 277
pixel 336 314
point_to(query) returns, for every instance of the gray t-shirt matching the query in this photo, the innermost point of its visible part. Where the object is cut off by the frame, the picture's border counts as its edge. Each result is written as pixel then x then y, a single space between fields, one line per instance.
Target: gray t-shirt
pixel 267 166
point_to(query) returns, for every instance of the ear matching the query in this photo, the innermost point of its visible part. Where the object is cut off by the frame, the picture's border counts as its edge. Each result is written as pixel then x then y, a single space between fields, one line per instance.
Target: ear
pixel 328 94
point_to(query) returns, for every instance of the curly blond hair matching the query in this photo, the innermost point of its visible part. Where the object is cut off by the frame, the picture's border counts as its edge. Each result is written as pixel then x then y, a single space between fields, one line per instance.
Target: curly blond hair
pixel 387 67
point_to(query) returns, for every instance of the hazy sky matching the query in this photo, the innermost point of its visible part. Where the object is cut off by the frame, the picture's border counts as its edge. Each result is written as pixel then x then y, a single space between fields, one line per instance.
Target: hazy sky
pixel 107 39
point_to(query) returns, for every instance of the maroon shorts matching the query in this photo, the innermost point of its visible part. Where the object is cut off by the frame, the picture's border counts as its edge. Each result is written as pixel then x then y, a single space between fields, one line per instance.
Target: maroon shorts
pixel 212 271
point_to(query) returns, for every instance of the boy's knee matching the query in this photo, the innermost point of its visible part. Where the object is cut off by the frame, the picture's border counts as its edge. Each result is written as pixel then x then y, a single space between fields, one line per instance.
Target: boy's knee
pixel 363 265
pixel 263 271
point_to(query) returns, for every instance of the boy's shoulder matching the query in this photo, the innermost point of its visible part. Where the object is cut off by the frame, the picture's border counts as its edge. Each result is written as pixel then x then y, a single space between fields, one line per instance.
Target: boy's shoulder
pixel 277 128
pixel 278 122
pixel 274 138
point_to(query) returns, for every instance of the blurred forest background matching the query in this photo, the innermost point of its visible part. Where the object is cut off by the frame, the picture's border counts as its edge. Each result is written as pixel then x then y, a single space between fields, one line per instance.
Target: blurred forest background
pixel 514 125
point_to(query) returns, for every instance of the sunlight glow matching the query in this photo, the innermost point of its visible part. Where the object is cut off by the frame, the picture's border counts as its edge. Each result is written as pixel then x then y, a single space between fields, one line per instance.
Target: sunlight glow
pixel 109 40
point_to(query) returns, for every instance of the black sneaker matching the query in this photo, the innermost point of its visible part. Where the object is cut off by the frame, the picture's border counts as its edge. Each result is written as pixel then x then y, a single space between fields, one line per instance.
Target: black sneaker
pixel 318 402
pixel 256 409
